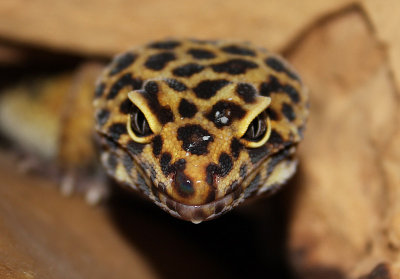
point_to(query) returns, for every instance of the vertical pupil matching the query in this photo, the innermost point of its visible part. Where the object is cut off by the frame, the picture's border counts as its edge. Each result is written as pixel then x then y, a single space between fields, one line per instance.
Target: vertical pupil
pixel 256 128
pixel 139 123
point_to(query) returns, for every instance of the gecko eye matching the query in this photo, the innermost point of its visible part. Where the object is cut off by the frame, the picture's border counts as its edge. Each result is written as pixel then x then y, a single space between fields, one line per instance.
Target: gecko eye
pixel 138 123
pixel 257 128
pixel 258 131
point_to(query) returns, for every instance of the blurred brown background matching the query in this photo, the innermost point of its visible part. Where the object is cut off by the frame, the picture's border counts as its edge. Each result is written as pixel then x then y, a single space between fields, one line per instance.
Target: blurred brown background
pixel 339 217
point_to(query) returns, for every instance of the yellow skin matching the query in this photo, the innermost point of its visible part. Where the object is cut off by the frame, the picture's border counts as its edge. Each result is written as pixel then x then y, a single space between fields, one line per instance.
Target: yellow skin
pixel 199 99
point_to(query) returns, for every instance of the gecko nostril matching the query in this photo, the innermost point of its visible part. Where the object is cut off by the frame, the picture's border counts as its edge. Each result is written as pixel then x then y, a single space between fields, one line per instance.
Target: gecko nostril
pixel 183 184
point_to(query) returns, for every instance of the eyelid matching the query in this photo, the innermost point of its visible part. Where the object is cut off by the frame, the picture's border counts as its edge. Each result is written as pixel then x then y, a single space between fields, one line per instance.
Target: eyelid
pixel 132 134
pixel 255 144
pixel 138 100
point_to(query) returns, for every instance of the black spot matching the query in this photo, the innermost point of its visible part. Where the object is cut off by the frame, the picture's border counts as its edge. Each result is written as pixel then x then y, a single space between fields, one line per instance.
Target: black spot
pixel 211 195
pixel 208 88
pixel 278 66
pixel 212 171
pixel 187 109
pixel 176 85
pixel 116 130
pixel 109 143
pixel 288 112
pixel 127 162
pixel 157 145
pixel 165 163
pixel 122 62
pixel 99 90
pixel 180 164
pixel 292 92
pixel 225 164
pixel 183 184
pixel 232 49
pixel 125 80
pixel 165 45
pixel 243 171
pixel 164 113
pixel 112 161
pixel 195 139
pixel 199 53
pixel 381 271
pixel 224 112
pixel 246 91
pixel 126 106
pixel 272 114
pixel 188 70
pixel 222 169
pixel 273 85
pixel 257 154
pixel 236 146
pixel 135 148
pixel 234 66
pixel 275 137
pixel 151 87
pixel 253 186
pixel 102 116
pixel 158 61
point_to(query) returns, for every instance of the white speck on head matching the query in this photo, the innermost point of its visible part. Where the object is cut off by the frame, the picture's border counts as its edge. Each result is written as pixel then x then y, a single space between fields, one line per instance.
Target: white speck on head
pixel 206 137
pixel 224 120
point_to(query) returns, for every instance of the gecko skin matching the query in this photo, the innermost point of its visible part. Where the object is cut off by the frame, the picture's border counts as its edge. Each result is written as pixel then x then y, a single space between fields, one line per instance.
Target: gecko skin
pixel 198 127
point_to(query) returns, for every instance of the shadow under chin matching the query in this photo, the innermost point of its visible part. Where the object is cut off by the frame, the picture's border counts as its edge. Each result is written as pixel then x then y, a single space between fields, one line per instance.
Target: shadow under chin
pixel 250 240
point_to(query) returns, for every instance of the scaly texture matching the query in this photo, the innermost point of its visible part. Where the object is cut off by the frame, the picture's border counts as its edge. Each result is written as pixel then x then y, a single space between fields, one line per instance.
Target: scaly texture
pixel 200 126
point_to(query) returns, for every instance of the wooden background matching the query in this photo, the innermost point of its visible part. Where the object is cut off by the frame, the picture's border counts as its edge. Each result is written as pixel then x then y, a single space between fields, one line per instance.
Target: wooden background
pixel 338 218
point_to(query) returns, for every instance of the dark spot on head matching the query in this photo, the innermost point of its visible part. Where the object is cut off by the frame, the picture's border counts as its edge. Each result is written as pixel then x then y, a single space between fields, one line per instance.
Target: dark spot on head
pixel 183 184
pixel 176 85
pixel 109 143
pixel 126 106
pixel 292 93
pixel 180 164
pixel 199 53
pixel 253 186
pixel 165 44
pixel 102 116
pixel 234 66
pixel 288 112
pixel 122 62
pixel 211 195
pixel 188 70
pixel 212 171
pixel 128 163
pixel 246 91
pixel 195 139
pixel 236 146
pixel 243 171
pixel 99 90
pixel 187 109
pixel 257 154
pixel 278 66
pixel 273 85
pixel 275 137
pixel 134 147
pixel 151 87
pixel 208 88
pixel 165 163
pixel 158 61
pixel 272 114
pixel 224 112
pixel 233 49
pixel 225 164
pixel 112 161
pixel 125 80
pixel 116 130
pixel 157 145
pixel 164 113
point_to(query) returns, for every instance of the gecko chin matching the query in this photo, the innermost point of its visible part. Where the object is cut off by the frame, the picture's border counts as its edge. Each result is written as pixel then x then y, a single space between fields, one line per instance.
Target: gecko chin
pixel 198 213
